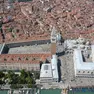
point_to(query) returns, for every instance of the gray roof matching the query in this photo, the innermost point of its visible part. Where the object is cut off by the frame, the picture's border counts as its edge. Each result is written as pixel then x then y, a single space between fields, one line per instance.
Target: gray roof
pixel 46 67
pixel 46 71
pixel 24 0
pixel 1 47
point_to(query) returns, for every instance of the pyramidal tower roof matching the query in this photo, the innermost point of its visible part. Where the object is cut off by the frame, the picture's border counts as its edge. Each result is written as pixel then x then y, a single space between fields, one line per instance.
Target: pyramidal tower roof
pixel 53 31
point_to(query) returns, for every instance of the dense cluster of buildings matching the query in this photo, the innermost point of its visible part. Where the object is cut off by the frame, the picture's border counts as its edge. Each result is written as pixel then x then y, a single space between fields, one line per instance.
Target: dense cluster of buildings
pixel 83 59
pixel 71 18
pixel 48 71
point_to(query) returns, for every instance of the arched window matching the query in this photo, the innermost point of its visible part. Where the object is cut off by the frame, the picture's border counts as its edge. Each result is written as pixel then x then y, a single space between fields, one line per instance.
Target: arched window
pixel 88 72
pixel 92 73
pixel 79 71
pixel 19 58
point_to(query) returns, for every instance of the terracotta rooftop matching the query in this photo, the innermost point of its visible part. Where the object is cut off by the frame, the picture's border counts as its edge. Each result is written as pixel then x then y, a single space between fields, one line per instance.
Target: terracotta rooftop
pixel 67 16
pixel 22 58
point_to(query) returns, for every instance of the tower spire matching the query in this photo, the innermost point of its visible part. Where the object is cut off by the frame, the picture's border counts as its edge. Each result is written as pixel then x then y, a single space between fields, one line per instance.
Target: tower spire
pixel 53 41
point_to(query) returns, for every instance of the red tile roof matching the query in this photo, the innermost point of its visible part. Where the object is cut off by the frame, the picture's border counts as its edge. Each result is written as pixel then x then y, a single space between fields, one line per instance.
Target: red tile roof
pixel 22 58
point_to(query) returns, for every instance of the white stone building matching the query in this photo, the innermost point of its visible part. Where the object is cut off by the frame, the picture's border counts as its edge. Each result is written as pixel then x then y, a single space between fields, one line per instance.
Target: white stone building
pixel 81 68
pixel 19 66
pixel 49 72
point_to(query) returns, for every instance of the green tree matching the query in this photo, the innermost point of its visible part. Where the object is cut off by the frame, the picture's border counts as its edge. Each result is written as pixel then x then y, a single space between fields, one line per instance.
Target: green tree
pixel 10 29
pixel 2 74
pixel 22 78
pixel 12 77
pixel 15 79
pixel 9 76
pixel 29 86
pixel 23 73
pixel 29 80
pixel 36 75
pixel 16 86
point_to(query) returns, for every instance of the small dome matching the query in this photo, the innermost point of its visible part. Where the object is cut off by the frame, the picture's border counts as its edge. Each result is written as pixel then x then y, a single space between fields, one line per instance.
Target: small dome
pixel 74 46
pixel 87 43
pixel 82 46
pixel 74 41
pixel 81 40
pixel 58 37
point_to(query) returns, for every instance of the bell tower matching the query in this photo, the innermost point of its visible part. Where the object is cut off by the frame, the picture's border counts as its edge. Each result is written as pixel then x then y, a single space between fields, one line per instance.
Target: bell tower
pixel 53 41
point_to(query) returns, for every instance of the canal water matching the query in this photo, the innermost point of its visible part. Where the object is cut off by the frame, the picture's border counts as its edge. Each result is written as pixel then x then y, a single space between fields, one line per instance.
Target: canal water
pixel 3 92
pixel 42 91
pixel 50 91
pixel 81 91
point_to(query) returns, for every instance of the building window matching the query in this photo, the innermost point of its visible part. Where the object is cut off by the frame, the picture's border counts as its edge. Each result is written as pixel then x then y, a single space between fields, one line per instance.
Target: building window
pixel 83 71
pixel 5 59
pixel 79 71
pixel 53 39
pixel 27 58
pixel 12 59
pixel 88 72
pixel 19 58
pixel 91 72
